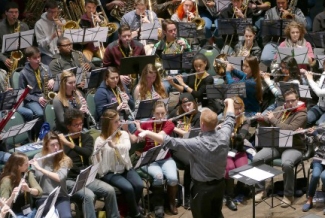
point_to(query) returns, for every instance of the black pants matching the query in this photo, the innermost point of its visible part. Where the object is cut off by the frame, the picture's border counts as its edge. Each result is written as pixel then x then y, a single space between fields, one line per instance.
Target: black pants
pixel 207 199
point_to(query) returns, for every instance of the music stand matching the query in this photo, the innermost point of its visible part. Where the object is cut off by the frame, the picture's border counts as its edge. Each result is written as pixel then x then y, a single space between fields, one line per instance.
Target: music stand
pixel 9 98
pixel 230 26
pixel 224 91
pixel 186 30
pixel 48 203
pixel 303 91
pixel 95 77
pixel 247 177
pixel 274 27
pixel 273 137
pixel 17 41
pixel 221 4
pixel 320 59
pixel 152 155
pixel 92 173
pixel 81 180
pixel 18 129
pixel 300 54
pixel 135 65
pixel 316 39
pixel 145 109
pixel 181 61
pixel 149 31
pixel 95 34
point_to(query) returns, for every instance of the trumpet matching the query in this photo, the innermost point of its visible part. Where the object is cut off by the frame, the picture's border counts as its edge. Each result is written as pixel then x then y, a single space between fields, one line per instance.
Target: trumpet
pixel 185 75
pixel 87 110
pixel 19 186
pixel 48 155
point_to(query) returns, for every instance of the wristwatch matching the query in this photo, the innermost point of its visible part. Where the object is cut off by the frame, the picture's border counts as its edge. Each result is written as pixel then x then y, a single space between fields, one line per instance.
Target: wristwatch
pixel 185 88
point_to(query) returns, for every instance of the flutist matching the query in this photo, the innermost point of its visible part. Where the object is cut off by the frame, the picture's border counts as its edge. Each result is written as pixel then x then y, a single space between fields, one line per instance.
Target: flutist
pixel 207 176
pixel 18 191
pixel 286 120
pixel 52 172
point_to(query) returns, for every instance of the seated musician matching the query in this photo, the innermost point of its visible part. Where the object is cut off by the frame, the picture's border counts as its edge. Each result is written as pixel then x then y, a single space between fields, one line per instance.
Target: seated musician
pixel 116 167
pixel 47 31
pixel 10 24
pixel 162 168
pixel 295 33
pixel 40 77
pixel 185 11
pixel 292 118
pixel 150 85
pixel 316 136
pixel 52 172
pixel 112 90
pixel 318 23
pixel 89 20
pixel 164 9
pixel 68 58
pixel 236 145
pixel 67 97
pixel 251 76
pixel 13 172
pixel 280 11
pixel 236 9
pixel 196 85
pixel 135 18
pixel 316 113
pixel 79 147
pixel 124 47
pixel 249 46
pixel 259 9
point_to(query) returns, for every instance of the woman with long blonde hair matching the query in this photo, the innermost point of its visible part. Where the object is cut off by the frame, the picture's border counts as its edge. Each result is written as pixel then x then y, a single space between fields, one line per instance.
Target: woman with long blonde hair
pixel 150 85
pixel 67 97
pixel 52 172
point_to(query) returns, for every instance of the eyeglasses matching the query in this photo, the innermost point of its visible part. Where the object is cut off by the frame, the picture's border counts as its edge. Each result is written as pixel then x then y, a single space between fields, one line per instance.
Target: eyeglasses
pixel 67 45
pixel 77 125
pixel 290 101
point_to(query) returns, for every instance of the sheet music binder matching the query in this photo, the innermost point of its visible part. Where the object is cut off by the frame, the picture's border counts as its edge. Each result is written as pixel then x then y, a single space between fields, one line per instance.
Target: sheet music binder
pixel 154 154
pixel 48 204
pixel 224 91
pixel 145 109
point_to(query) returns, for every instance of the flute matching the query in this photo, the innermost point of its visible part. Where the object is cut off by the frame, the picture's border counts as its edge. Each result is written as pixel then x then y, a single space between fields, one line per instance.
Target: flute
pixel 184 75
pixel 321 126
pixel 49 155
pixel 162 120
pixel 9 210
pixel 19 186
pixel 103 144
pixel 285 109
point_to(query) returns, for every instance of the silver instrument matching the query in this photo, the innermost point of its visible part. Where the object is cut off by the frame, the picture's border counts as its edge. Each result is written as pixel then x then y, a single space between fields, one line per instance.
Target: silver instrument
pixel 48 155
pixel 87 110
pixel 125 101
pixel 19 186
pixel 185 75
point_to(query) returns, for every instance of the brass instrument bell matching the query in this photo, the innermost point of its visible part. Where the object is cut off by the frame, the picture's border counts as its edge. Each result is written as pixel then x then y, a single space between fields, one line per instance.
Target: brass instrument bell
pixel 220 68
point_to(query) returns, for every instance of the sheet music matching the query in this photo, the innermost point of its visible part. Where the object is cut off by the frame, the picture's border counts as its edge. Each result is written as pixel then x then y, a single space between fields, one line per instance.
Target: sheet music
pixel 257 174
pixel 285 139
pixel 75 35
pixel 304 91
pixel 81 180
pixel 96 34
pixel 11 42
pixel 300 54
pixel 26 38
pixel 149 31
pixel 222 4
pixel 92 174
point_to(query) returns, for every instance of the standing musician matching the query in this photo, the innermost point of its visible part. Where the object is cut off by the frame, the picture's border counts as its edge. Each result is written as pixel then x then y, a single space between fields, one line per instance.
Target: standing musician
pixel 88 20
pixel 47 31
pixel 291 119
pixel 281 11
pixel 125 46
pixel 165 167
pixel 149 86
pixel 52 172
pixel 207 177
pixel 11 178
pixel 10 24
pixel 40 76
pixel 68 58
pixel 185 11
pixel 235 10
pixel 116 167
pixel 79 148
pixel 112 90
pixel 67 97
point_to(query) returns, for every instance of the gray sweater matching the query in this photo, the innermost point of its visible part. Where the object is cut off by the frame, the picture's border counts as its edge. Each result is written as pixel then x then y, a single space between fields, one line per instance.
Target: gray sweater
pixel 274 14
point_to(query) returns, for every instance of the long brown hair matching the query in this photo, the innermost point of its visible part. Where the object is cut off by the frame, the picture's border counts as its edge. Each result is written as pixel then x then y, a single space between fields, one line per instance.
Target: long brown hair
pixel 11 170
pixel 107 128
pixel 143 89
pixel 255 68
pixel 62 91
pixel 60 159
pixel 241 118
pixel 111 70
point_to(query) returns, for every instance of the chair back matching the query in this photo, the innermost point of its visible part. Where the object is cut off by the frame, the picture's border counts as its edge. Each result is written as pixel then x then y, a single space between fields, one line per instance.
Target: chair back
pixel 49 115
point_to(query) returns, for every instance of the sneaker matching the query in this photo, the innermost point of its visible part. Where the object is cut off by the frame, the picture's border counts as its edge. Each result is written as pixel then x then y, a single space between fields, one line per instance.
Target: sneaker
pixel 286 201
pixel 307 207
pixel 259 196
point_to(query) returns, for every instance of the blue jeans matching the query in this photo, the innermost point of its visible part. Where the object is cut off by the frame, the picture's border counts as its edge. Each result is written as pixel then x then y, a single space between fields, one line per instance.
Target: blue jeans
pixel 161 168
pixel 95 189
pixel 206 16
pixel 36 108
pixel 4 156
pixel 130 184
pixel 26 113
pixel 268 53
pixel 62 205
pixel 315 114
pixel 318 172
pixel 30 215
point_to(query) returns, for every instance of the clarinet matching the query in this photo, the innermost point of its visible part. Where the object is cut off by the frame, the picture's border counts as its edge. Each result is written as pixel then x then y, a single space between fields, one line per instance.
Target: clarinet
pixel 87 111
pixel 124 100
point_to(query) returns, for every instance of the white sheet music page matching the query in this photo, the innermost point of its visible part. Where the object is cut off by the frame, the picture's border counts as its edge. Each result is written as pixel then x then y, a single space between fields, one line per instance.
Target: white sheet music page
pixel 257 174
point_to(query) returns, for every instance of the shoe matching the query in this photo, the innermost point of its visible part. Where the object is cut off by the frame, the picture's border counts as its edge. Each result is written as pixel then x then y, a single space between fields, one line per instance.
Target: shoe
pixel 230 204
pixel 286 201
pixel 172 191
pixel 307 207
pixel 259 196
pixel 159 212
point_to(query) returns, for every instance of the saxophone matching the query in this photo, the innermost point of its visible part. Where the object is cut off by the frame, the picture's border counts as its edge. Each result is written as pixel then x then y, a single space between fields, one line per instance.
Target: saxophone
pixel 47 94
pixel 15 57
pixel 83 70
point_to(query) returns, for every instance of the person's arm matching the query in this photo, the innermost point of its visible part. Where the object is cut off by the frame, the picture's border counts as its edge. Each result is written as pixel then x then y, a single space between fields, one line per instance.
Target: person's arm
pixel 101 99
pixel 315 87
pixel 35 188
pixel 87 145
pixel 272 86
pixel 55 67
pixel 58 111
pixel 299 120
pixel 136 93
pixel 300 17
pixel 42 39
pixel 23 84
